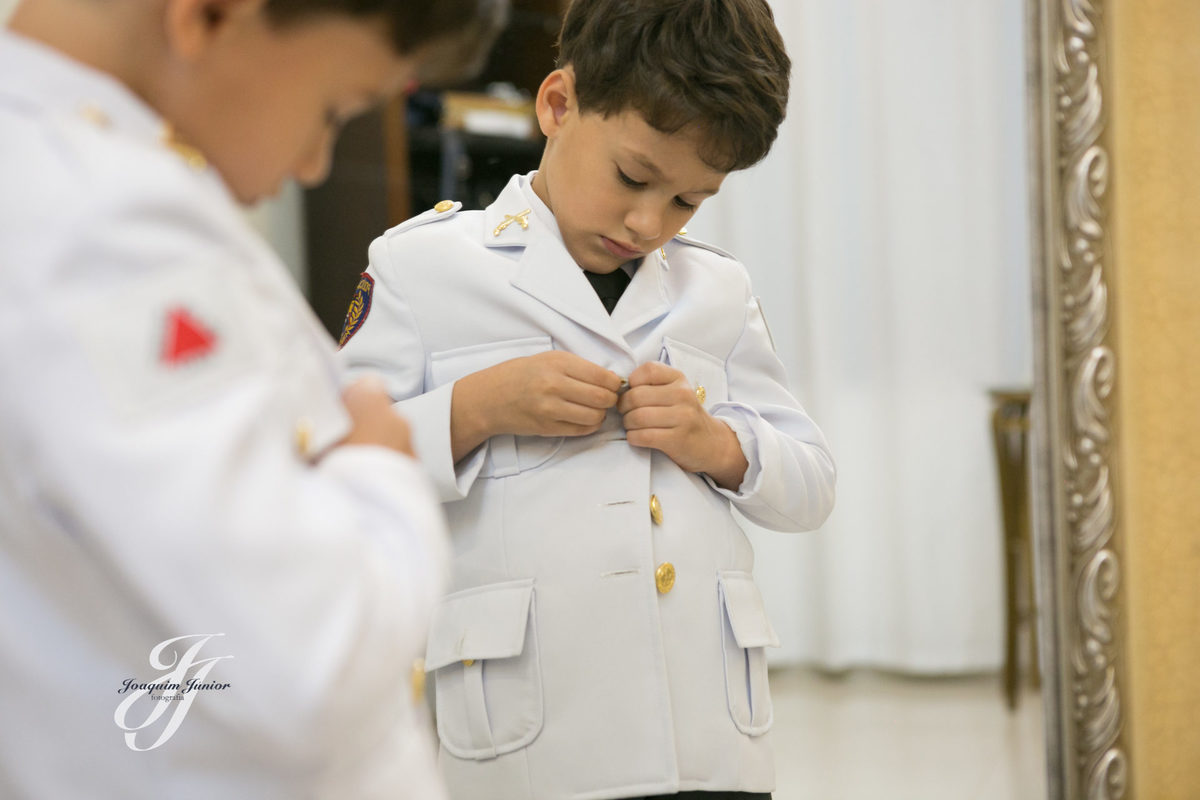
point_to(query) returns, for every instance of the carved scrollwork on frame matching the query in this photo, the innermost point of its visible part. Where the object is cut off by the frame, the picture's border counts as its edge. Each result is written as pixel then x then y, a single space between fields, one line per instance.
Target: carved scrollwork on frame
pixel 1086 361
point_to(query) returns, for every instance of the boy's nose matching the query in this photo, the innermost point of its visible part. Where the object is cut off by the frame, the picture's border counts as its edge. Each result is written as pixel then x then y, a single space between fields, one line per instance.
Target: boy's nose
pixel 644 221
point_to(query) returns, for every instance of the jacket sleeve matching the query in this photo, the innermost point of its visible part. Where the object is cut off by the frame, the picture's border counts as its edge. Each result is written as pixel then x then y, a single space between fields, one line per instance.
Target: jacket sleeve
pixel 168 463
pixel 388 343
pixel 789 484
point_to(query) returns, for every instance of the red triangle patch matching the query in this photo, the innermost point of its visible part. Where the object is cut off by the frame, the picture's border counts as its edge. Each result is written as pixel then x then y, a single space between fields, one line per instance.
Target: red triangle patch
pixel 186 338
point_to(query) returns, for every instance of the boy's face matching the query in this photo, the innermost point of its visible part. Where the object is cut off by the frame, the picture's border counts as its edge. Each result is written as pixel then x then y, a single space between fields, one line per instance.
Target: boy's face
pixel 619 189
pixel 265 104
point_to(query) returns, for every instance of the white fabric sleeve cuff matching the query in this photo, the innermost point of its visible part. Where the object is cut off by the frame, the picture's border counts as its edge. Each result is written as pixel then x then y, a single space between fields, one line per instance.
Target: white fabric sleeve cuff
pixel 429 416
pixel 741 419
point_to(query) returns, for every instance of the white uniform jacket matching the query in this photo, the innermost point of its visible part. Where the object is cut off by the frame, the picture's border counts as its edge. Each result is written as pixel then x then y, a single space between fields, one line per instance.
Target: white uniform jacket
pixel 568 665
pixel 162 388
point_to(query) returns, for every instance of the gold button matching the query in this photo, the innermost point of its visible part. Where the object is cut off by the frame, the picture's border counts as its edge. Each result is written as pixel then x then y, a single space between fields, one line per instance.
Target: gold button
pixel 304 437
pixel 700 395
pixel 656 510
pixel 664 577
pixel 683 231
pixel 418 680
pixel 444 206
pixel 468 662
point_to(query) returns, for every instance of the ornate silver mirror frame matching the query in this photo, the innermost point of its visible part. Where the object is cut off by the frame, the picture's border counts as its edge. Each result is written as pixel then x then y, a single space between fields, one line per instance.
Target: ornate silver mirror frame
pixel 1077 540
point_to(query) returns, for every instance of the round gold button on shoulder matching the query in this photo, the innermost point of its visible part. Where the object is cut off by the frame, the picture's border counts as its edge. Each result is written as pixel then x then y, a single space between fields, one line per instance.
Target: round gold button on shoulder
pixel 664 577
pixel 468 662
pixel 656 513
pixel 700 395
pixel 443 206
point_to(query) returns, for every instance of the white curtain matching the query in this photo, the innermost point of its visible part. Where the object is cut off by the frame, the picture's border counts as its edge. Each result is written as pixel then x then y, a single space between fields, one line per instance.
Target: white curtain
pixel 887 235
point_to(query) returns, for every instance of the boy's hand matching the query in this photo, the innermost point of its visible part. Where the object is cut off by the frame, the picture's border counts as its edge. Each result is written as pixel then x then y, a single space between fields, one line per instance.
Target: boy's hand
pixel 373 419
pixel 661 411
pixel 550 394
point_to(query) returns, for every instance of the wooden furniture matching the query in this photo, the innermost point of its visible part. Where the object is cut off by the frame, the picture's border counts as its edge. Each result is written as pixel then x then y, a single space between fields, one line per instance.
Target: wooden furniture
pixel 1010 432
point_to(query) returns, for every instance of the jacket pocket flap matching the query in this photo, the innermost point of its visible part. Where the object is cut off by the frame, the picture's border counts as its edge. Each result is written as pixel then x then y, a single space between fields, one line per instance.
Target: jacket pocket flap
pixel 485 622
pixel 747 614
pixel 701 369
pixel 450 365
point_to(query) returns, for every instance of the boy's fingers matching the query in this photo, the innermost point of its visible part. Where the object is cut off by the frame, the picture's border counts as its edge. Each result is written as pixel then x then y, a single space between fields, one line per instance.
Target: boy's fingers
pixel 364 394
pixel 581 369
pixel 592 396
pixel 652 373
pixel 653 394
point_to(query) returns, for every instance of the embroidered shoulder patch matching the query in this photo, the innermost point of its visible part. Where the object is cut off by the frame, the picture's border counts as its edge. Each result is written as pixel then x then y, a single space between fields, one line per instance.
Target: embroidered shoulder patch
pixel 360 306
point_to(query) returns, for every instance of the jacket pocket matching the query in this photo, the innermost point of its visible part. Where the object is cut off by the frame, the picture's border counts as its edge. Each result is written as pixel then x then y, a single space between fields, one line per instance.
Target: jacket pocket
pixel 483 647
pixel 507 454
pixel 746 633
pixel 702 370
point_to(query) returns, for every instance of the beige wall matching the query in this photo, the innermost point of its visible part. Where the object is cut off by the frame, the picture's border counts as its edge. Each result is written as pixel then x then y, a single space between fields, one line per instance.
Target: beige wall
pixel 1155 64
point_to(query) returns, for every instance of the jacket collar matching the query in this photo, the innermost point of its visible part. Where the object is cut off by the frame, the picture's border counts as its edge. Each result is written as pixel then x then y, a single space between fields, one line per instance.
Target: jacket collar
pixel 547 272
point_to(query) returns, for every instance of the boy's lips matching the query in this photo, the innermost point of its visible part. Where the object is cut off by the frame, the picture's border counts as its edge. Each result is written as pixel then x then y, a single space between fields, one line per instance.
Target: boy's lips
pixel 621 250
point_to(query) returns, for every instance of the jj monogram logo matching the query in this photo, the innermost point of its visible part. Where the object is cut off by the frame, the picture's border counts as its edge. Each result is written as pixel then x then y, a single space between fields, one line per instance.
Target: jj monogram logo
pixel 170 693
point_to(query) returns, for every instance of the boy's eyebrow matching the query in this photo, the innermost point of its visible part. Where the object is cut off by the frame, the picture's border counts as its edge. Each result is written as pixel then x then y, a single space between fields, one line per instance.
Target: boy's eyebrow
pixel 657 173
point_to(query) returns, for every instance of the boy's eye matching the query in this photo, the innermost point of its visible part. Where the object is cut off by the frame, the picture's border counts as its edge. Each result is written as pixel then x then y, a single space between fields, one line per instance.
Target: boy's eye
pixel 684 204
pixel 628 181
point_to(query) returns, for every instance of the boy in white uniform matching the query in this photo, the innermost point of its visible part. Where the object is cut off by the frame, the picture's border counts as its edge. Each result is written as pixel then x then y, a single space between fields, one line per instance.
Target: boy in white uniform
pixel 604 637
pixel 215 568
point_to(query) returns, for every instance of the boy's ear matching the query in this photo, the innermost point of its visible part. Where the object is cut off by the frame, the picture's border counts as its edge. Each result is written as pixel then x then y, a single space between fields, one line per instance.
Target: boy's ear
pixel 192 25
pixel 556 100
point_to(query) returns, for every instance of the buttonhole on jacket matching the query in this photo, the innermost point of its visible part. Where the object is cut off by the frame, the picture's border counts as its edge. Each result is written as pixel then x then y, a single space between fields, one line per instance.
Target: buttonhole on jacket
pixel 619 503
pixel 619 572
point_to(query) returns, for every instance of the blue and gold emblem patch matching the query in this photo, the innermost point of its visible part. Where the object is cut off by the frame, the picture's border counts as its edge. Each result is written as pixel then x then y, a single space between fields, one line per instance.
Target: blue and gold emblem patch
pixel 360 306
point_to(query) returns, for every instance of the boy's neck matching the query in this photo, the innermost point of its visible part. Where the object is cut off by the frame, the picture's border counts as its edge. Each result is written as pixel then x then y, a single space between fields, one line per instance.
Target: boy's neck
pixel 538 184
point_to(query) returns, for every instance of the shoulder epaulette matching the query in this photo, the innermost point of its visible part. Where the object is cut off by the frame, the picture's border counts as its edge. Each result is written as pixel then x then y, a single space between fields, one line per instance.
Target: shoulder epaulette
pixel 443 210
pixel 712 248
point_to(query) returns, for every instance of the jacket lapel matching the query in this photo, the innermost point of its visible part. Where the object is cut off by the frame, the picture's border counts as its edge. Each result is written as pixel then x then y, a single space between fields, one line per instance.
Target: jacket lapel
pixel 546 271
pixel 645 298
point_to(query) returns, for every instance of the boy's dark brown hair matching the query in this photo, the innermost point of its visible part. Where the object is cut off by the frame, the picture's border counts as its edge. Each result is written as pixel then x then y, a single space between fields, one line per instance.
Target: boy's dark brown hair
pixel 451 36
pixel 717 64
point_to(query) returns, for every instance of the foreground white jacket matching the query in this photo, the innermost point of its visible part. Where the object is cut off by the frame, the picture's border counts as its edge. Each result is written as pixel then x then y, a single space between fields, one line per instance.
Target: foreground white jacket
pixel 590 648
pixel 162 390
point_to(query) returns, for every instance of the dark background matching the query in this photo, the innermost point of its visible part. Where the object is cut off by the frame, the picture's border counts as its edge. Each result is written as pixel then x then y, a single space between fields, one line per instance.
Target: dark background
pixel 396 162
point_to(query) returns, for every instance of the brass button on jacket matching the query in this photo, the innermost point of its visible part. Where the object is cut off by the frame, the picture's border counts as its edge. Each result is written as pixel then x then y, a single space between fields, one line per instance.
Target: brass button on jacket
pixel 656 510
pixel 418 680
pixel 664 577
pixel 700 395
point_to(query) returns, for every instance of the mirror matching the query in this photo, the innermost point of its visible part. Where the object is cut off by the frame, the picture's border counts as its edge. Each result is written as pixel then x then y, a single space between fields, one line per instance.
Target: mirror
pixel 942 123
pixel 889 237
